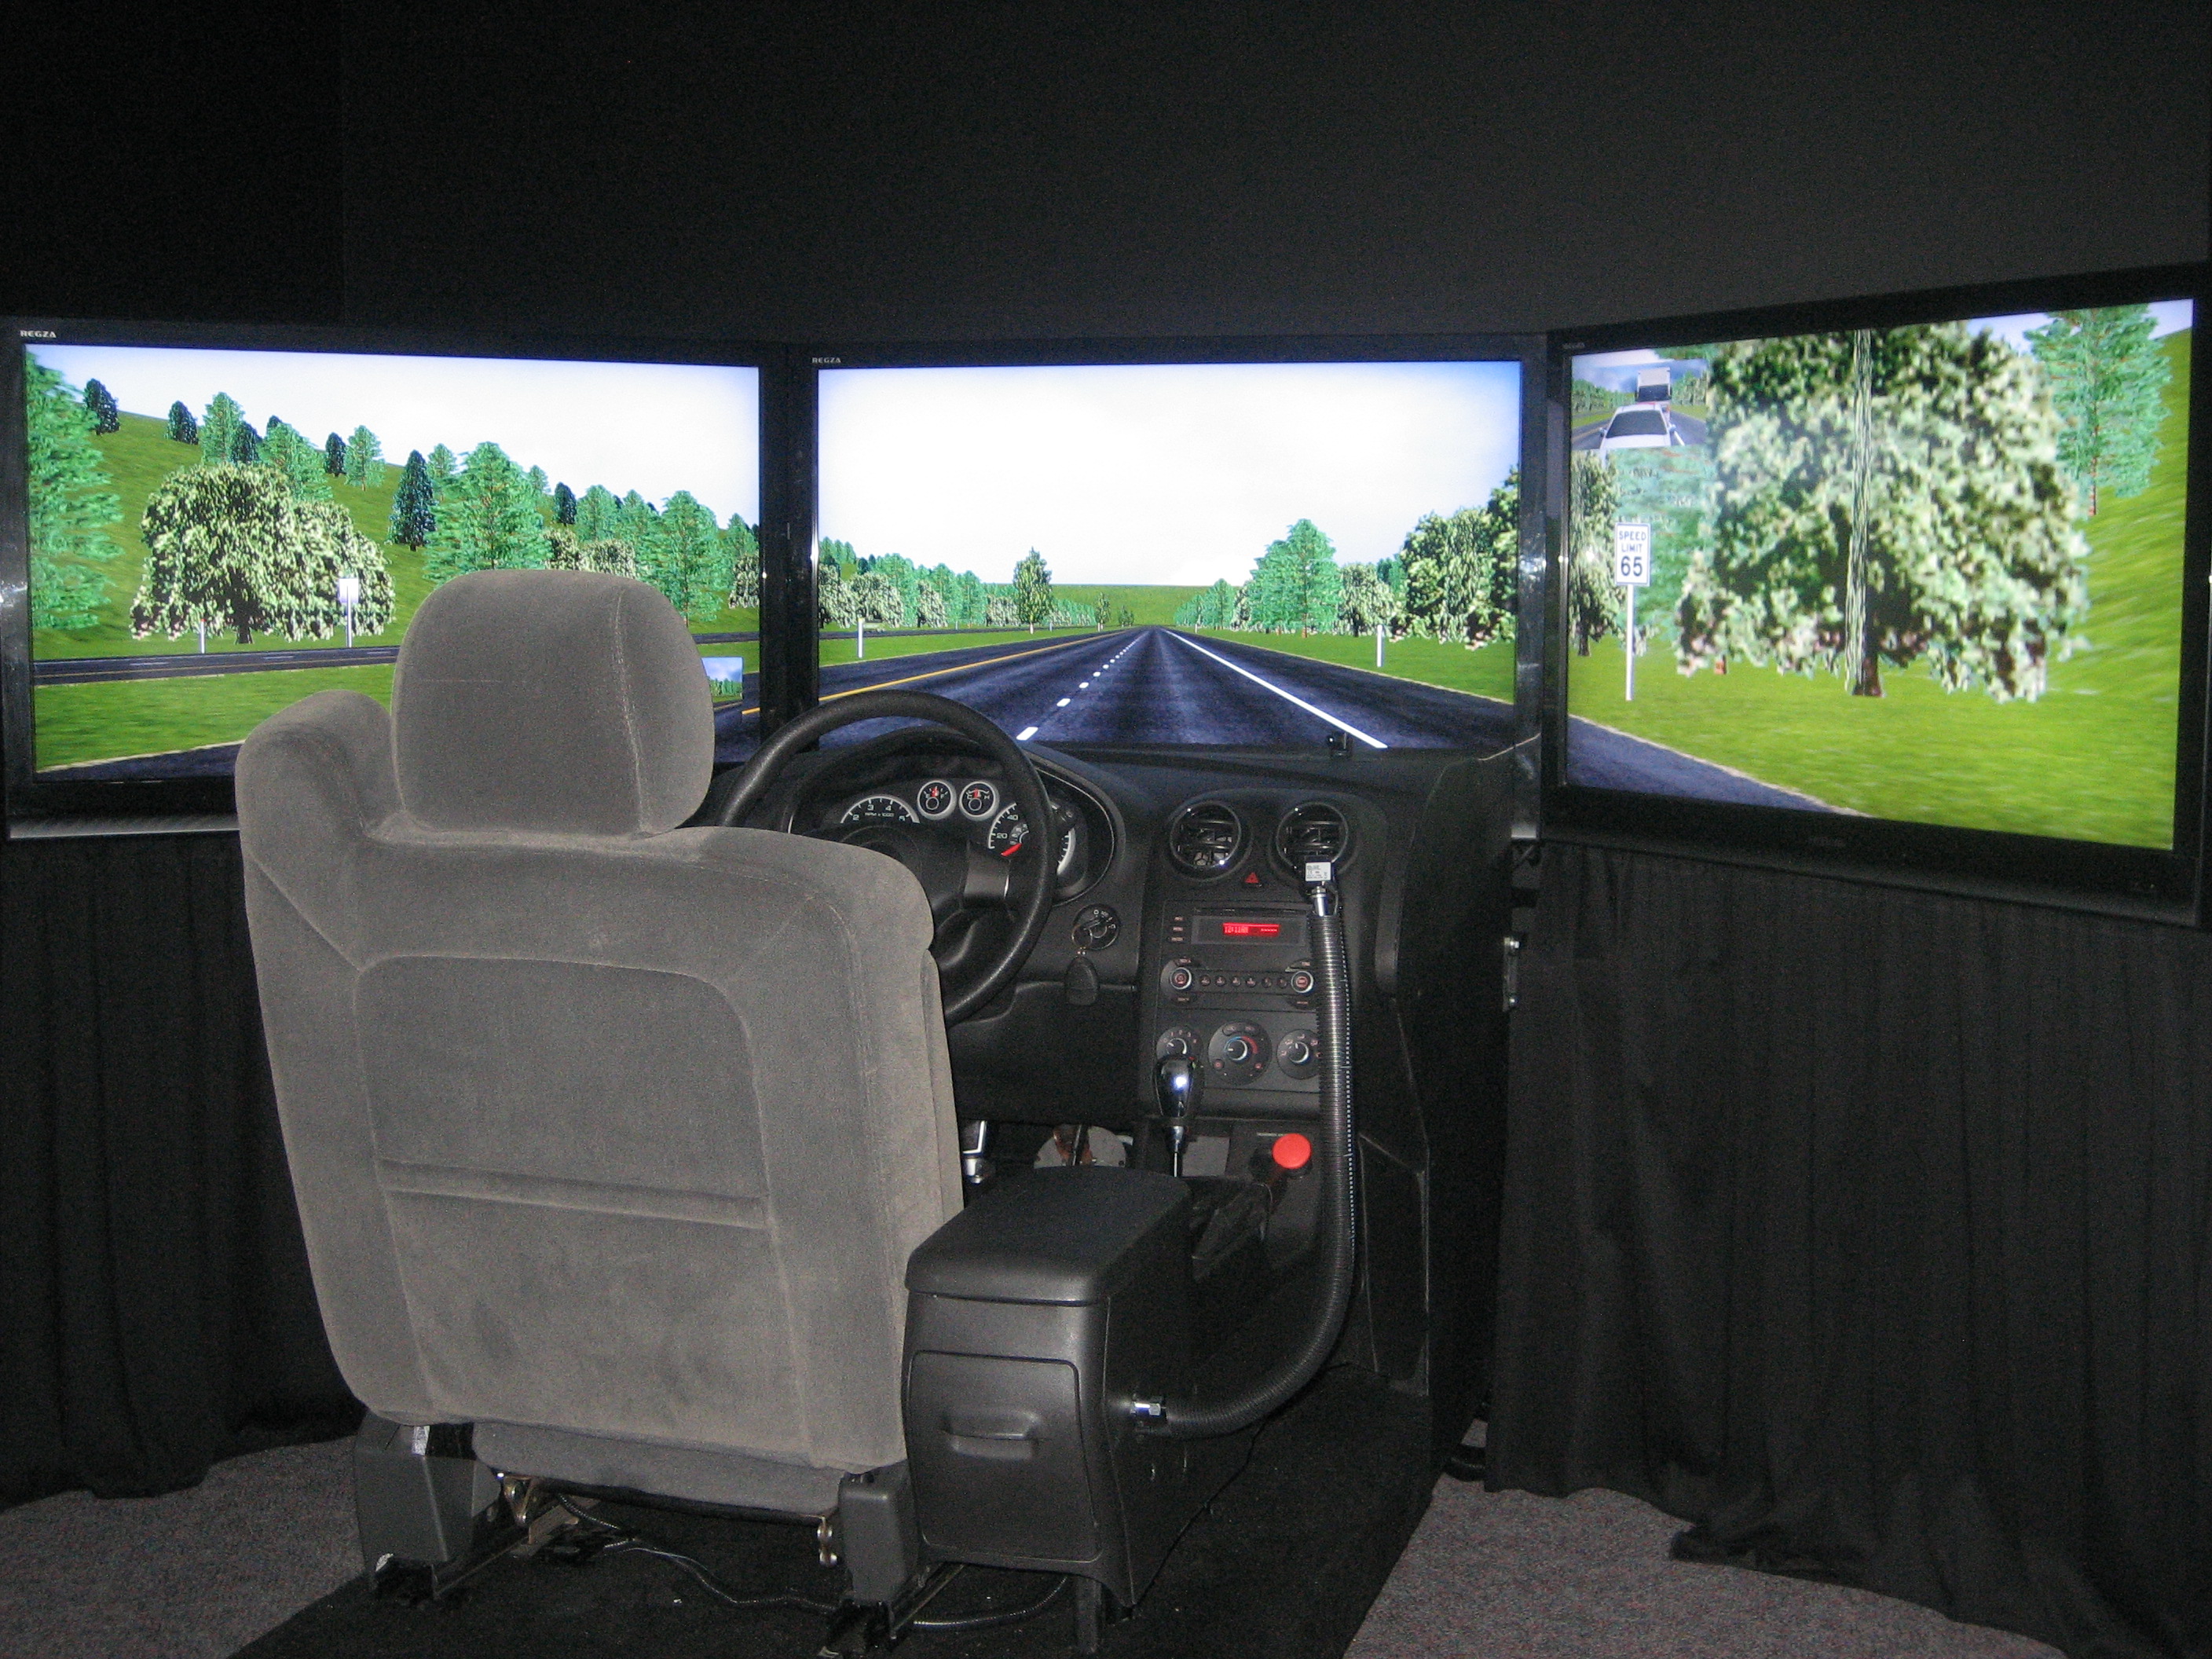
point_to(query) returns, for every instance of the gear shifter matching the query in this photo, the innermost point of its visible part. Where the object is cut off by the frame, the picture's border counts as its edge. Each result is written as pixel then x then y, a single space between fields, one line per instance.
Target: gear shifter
pixel 1177 1081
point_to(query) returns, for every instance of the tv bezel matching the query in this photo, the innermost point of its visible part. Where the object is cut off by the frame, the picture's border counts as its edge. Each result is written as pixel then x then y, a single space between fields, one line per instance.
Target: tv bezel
pixel 1526 350
pixel 35 806
pixel 2150 882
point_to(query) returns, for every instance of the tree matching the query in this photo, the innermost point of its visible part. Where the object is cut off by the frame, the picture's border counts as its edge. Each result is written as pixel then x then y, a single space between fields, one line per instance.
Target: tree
pixel 1296 586
pixel 364 459
pixel 1032 590
pixel 1103 611
pixel 2107 382
pixel 564 504
pixel 183 428
pixel 930 609
pixel 444 467
pixel 107 417
pixel 487 519
pixel 1593 601
pixel 565 551
pixel 69 500
pixel 1886 494
pixel 745 562
pixel 219 431
pixel 99 403
pixel 1462 572
pixel 691 564
pixel 974 601
pixel 232 547
pixel 246 449
pixel 539 482
pixel 836 596
pixel 598 515
pixel 413 503
pixel 299 462
pixel 334 453
pixel 1000 610
pixel 1368 602
pixel 877 597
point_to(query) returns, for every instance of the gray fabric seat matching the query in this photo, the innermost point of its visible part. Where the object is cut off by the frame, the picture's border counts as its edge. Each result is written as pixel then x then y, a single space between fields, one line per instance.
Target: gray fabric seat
pixel 610 1137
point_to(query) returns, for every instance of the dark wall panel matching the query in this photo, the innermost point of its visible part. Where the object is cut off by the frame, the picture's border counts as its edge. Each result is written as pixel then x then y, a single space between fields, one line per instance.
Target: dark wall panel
pixel 1057 168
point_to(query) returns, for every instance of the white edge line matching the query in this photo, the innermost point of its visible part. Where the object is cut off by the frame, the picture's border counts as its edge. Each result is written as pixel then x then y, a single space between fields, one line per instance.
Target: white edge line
pixel 1319 713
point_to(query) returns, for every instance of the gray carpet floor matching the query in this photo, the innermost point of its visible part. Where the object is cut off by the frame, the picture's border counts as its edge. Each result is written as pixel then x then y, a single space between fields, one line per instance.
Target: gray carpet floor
pixel 195 1575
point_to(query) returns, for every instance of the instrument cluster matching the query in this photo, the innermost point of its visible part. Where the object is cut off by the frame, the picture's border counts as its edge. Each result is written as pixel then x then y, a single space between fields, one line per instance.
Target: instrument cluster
pixel 982 811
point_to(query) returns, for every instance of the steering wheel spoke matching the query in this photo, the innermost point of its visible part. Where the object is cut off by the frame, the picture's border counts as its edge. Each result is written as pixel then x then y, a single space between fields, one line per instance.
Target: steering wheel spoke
pixel 965 884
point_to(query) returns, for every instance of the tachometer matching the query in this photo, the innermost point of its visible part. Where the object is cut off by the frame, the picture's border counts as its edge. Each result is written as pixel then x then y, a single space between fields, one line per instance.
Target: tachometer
pixel 880 809
pixel 1010 829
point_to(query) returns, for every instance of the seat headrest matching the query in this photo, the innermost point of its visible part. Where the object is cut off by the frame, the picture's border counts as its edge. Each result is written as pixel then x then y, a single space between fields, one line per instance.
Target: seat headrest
pixel 555 700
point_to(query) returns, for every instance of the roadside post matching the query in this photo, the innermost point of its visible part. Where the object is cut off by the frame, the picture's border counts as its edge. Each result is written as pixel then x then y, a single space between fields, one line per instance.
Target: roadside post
pixel 1631 569
pixel 860 639
pixel 1378 644
pixel 348 597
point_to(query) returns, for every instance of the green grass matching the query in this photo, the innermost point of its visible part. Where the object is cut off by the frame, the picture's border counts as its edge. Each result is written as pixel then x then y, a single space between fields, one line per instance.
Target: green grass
pixel 2092 760
pixel 1487 672
pixel 110 719
pixel 1145 604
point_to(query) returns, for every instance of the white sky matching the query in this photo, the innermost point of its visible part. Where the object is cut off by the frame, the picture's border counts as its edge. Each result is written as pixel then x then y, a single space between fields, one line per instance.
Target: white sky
pixel 1156 473
pixel 1616 370
pixel 653 427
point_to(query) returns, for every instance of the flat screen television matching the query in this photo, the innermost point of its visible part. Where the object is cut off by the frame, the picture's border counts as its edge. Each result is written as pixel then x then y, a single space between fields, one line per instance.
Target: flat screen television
pixel 199 527
pixel 1913 587
pixel 1247 543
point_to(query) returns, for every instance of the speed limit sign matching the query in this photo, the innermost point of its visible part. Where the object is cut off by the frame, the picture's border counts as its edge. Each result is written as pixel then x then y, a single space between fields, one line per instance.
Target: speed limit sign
pixel 1631 555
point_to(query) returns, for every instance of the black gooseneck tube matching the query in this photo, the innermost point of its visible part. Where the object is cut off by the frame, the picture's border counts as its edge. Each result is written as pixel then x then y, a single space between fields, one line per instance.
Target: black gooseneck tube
pixel 1185 1420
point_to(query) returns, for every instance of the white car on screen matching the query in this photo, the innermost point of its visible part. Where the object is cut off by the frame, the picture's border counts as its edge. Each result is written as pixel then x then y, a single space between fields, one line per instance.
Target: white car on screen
pixel 1641 426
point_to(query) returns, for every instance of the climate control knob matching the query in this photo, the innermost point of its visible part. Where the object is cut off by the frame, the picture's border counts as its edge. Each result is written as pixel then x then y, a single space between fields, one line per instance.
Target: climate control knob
pixel 1298 1054
pixel 1237 1052
pixel 1178 1042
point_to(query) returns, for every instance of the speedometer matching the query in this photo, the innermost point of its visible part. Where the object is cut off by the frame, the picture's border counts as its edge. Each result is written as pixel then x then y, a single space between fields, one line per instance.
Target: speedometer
pixel 880 809
pixel 1010 829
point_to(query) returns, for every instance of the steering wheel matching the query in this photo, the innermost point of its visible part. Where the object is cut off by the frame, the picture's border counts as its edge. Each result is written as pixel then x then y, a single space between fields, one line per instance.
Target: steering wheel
pixel 953 875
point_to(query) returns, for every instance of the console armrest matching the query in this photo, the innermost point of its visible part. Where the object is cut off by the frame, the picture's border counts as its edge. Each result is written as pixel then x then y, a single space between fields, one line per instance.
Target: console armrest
pixel 1067 1237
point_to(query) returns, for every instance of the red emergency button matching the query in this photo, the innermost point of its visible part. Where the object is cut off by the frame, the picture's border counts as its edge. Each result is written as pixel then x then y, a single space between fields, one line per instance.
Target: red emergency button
pixel 1293 1153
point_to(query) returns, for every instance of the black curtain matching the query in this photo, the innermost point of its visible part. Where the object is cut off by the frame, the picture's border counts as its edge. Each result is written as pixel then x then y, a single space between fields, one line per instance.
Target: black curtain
pixel 1869 1230
pixel 156 1310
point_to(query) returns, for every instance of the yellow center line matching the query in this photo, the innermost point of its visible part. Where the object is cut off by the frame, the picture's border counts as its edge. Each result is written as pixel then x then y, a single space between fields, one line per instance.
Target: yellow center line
pixel 957 668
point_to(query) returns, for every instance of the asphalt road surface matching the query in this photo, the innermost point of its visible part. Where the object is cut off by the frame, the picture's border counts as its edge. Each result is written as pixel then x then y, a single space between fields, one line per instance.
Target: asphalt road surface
pixel 1599 758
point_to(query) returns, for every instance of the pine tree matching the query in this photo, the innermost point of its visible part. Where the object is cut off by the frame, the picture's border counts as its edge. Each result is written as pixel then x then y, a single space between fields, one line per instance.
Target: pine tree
pixel 364 459
pixel 1886 496
pixel 538 480
pixel 1296 586
pixel 564 504
pixel 219 431
pixel 598 514
pixel 299 462
pixel 691 566
pixel 99 403
pixel 488 518
pixel 444 467
pixel 334 453
pixel 2107 382
pixel 246 449
pixel 69 500
pixel 1032 590
pixel 183 428
pixel 413 503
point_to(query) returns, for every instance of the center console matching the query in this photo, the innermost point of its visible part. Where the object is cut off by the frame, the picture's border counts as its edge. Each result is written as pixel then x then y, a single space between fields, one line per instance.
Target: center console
pixel 1234 995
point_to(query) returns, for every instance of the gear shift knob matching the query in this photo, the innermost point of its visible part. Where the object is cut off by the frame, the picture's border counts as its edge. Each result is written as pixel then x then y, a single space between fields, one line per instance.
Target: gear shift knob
pixel 1176 1082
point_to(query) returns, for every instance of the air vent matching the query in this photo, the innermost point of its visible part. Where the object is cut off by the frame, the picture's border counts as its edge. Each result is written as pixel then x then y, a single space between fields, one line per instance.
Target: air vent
pixel 1206 839
pixel 1314 830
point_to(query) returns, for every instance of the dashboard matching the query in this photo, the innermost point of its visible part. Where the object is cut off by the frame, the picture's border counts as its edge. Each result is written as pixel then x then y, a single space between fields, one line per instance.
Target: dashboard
pixel 1178 919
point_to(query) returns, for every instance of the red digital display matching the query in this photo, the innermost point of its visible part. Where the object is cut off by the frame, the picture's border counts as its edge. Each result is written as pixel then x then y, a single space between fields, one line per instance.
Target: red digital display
pixel 1250 929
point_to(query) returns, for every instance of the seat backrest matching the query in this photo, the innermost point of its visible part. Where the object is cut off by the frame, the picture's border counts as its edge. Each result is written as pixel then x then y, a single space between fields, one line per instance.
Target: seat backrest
pixel 596 1123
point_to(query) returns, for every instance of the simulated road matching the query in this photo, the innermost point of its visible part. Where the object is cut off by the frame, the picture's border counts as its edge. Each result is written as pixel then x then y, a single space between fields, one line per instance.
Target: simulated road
pixel 1160 685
